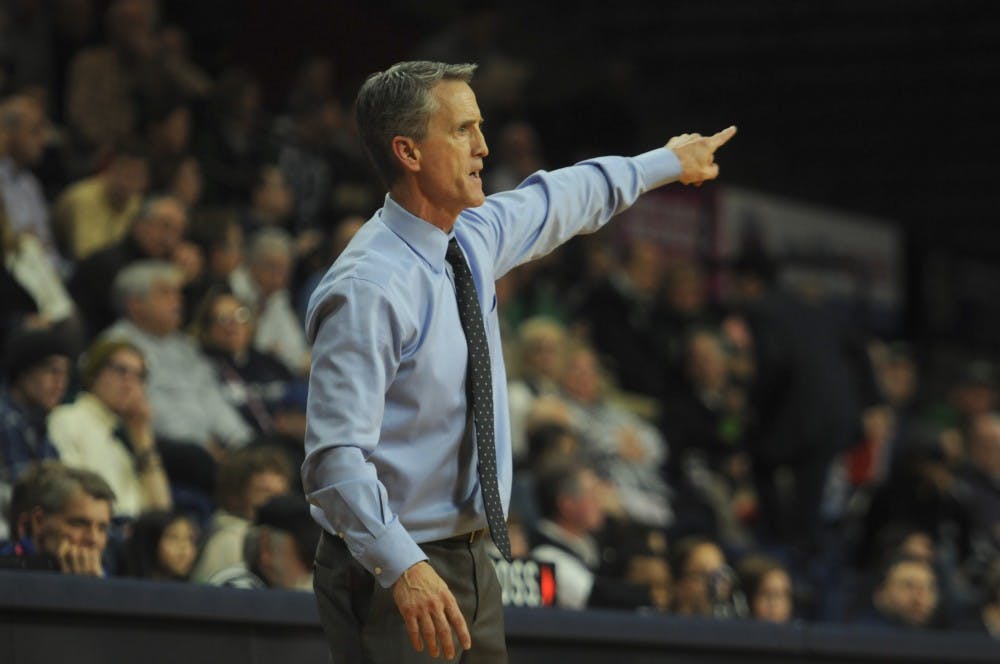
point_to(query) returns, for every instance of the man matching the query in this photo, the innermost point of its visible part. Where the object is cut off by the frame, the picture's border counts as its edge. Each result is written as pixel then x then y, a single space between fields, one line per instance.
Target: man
pixel 157 232
pixel 95 212
pixel 277 549
pixel 704 583
pixel 572 514
pixel 248 478
pixel 183 390
pixel 907 595
pixel 982 480
pixel 21 195
pixel 62 516
pixel 36 368
pixel 812 380
pixel 393 439
pixel 265 283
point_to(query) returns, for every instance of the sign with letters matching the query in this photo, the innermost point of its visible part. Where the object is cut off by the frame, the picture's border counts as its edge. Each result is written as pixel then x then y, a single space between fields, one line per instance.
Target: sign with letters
pixel 526 583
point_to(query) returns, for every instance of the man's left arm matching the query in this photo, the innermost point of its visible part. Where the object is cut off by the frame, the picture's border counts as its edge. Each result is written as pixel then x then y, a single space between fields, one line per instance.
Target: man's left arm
pixel 549 208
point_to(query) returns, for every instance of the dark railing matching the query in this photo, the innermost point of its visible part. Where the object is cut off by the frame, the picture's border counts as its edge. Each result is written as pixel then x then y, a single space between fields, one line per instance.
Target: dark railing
pixel 46 618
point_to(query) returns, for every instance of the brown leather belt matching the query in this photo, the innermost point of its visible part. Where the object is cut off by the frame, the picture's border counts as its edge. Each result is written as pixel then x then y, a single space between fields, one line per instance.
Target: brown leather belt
pixel 465 538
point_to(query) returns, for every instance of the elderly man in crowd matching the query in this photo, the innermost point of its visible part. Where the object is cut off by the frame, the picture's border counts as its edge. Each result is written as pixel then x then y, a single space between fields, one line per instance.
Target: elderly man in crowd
pixel 61 517
pixel 184 394
pixel 264 283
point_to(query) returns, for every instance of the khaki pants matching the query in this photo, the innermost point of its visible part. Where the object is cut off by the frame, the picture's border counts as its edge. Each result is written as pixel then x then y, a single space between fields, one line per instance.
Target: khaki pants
pixel 363 625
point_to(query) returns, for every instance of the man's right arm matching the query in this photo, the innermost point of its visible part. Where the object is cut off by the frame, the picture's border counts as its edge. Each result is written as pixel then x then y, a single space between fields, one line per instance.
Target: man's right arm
pixel 357 346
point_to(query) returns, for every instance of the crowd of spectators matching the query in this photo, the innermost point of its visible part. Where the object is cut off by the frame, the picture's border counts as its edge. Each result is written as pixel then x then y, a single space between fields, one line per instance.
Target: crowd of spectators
pixel 680 449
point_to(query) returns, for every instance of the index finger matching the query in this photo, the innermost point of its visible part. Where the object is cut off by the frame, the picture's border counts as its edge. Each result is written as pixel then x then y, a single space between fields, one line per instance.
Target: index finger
pixel 721 138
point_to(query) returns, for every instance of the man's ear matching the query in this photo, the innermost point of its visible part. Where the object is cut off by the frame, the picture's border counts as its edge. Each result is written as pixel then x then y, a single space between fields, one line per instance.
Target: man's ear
pixel 407 153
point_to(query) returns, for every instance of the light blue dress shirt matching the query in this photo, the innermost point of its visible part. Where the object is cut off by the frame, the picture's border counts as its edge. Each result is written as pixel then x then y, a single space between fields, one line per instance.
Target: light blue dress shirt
pixel 390 448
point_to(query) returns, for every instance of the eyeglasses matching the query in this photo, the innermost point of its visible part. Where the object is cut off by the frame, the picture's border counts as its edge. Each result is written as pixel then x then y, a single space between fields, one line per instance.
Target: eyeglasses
pixel 240 315
pixel 122 371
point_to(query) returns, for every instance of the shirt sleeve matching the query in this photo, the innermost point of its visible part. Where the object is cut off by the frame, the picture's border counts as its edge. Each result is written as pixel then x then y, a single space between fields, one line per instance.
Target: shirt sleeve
pixel 549 208
pixel 356 353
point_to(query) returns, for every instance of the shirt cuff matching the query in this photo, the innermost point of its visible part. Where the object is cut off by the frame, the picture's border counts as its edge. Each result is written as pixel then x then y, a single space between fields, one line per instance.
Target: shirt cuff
pixel 392 553
pixel 658 167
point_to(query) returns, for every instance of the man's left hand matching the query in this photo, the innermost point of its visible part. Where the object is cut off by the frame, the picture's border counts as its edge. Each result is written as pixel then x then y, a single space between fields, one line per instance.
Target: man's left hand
pixel 697 154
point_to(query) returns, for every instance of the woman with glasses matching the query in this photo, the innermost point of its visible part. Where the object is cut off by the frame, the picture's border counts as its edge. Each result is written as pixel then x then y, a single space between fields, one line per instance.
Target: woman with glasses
pixel 108 429
pixel 265 392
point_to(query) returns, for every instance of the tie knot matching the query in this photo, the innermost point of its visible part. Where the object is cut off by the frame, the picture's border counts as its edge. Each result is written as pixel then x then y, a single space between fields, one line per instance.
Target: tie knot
pixel 454 253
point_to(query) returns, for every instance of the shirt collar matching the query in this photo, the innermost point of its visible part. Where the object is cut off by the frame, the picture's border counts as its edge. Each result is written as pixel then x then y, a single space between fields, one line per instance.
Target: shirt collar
pixel 100 410
pixel 426 239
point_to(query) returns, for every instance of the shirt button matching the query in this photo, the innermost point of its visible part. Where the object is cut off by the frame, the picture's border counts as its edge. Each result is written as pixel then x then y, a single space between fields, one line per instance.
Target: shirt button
pixel 377 570
pixel 341 534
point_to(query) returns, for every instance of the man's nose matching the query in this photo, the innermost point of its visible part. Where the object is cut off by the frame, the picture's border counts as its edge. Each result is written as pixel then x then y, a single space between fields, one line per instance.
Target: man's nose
pixel 479 147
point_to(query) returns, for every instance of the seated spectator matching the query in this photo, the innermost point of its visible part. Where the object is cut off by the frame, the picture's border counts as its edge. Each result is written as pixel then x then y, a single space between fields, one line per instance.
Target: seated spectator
pixel 267 395
pixel 64 515
pixel 271 202
pixel 108 429
pixel 36 369
pixel 104 82
pixel 540 351
pixel 232 145
pixel 179 176
pixel 186 401
pixel 163 546
pixel 23 119
pixel 907 595
pixel 989 612
pixel 709 466
pixel 768 589
pixel 621 313
pixel 95 212
pixel 625 449
pixel 981 476
pixel 278 549
pixel 571 515
pixel 703 582
pixel 264 284
pixel 157 232
pixel 248 478
pixel 31 288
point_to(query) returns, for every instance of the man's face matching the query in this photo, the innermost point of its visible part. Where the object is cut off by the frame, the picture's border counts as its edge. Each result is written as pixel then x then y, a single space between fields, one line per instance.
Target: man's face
pixel 230 327
pixel 159 233
pixel 261 488
pixel 451 154
pixel 909 593
pixel 128 176
pixel 693 585
pixel 985 448
pixel 583 509
pixel 26 142
pixel 44 385
pixel 773 601
pixel 83 523
pixel 271 272
pixel 161 311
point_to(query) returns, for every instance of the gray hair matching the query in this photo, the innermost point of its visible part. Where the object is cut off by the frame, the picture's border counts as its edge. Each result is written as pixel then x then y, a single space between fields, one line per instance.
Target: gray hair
pixel 269 241
pixel 147 210
pixel 137 281
pixel 398 102
pixel 50 486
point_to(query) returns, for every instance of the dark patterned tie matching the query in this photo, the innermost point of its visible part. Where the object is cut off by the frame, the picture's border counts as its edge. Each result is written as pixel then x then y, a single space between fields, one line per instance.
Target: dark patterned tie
pixel 479 377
